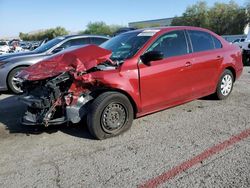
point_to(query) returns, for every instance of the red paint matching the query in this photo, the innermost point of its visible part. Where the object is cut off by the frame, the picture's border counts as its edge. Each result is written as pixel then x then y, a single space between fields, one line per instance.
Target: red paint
pixel 163 84
pixel 79 60
pixel 168 82
pixel 154 182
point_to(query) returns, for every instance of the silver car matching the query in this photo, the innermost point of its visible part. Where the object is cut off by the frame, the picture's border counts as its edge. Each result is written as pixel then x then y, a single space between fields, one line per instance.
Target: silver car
pixel 11 64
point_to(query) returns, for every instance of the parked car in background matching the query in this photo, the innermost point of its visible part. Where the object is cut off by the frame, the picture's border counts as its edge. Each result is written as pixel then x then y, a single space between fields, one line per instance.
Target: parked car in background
pixel 131 75
pixel 25 45
pixel 238 41
pixel 244 44
pixel 246 53
pixel 4 47
pixel 123 30
pixel 11 64
pixel 36 44
pixel 43 41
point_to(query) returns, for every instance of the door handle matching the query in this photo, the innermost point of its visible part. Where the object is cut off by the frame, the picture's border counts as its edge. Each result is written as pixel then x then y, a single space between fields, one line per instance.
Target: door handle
pixel 218 57
pixel 188 64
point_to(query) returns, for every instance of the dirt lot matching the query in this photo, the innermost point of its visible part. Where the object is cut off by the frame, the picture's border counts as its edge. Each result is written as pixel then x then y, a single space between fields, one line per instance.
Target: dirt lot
pixel 204 143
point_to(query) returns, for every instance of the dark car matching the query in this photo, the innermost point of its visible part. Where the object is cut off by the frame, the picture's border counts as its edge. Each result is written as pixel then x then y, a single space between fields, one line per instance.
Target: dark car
pixel 123 30
pixel 11 64
pixel 131 75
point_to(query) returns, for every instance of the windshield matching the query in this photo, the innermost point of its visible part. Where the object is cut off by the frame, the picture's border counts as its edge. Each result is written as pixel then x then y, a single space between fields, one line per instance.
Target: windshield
pixel 126 45
pixel 48 45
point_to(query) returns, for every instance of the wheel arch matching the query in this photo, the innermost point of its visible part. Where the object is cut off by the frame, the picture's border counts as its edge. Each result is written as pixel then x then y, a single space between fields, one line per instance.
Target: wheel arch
pixel 133 103
pixel 13 68
pixel 232 69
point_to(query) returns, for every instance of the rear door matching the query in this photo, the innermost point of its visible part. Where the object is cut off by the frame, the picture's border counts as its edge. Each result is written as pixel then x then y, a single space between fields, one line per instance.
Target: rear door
pixel 207 58
pixel 167 81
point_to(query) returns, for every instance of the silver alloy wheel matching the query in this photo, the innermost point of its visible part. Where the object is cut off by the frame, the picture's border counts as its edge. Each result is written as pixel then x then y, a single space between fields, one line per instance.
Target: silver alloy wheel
pixel 15 82
pixel 226 85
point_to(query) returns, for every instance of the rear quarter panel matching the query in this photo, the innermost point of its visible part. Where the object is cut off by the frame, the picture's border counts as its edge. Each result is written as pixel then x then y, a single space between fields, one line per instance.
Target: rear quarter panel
pixel 233 59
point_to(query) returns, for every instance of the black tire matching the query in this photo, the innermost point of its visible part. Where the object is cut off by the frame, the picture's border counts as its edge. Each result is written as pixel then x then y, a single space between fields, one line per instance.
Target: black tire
pixel 245 58
pixel 12 88
pixel 106 106
pixel 219 93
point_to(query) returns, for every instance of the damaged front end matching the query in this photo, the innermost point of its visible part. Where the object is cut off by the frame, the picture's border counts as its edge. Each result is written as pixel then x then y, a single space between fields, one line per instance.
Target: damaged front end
pixel 45 100
pixel 58 90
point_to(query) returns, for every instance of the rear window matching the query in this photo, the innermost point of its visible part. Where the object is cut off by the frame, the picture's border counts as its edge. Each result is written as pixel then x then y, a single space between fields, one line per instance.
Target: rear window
pixel 201 41
pixel 217 43
pixel 97 40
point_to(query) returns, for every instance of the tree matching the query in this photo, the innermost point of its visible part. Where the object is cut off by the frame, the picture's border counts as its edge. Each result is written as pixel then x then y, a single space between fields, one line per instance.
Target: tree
pixel 100 28
pixel 227 18
pixel 248 10
pixel 222 18
pixel 97 28
pixel 195 15
pixel 41 35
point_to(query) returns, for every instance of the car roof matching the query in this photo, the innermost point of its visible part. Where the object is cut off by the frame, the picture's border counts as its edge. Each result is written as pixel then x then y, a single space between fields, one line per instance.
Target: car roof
pixel 162 29
pixel 79 36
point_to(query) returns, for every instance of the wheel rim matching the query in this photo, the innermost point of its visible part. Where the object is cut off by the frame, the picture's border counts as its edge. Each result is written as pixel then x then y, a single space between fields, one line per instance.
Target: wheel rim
pixel 113 117
pixel 15 83
pixel 226 85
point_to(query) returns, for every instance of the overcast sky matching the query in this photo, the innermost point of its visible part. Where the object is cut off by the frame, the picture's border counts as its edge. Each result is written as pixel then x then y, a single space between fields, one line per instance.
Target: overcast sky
pixel 30 15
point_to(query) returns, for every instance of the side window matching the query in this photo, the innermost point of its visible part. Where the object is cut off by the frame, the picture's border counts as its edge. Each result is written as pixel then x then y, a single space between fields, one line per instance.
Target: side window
pixel 201 41
pixel 171 44
pixel 98 41
pixel 217 43
pixel 76 42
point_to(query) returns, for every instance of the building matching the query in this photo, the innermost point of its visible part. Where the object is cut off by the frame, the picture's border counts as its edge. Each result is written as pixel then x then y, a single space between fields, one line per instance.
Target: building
pixel 151 23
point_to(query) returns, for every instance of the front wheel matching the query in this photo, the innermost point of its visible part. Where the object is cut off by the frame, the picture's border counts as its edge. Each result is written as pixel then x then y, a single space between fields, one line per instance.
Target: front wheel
pixel 109 115
pixel 225 85
pixel 13 81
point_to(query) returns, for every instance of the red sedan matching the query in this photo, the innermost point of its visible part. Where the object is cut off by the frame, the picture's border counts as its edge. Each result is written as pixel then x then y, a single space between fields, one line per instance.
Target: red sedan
pixel 131 75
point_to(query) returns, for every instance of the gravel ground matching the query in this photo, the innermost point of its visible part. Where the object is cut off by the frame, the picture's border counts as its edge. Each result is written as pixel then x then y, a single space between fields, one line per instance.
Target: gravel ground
pixel 62 156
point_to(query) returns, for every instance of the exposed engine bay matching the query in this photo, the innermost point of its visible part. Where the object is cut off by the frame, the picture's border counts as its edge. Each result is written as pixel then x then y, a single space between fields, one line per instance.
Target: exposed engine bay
pixel 59 89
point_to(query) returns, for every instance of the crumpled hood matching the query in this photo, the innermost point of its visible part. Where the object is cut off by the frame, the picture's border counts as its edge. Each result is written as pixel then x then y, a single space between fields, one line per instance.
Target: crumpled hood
pixel 79 60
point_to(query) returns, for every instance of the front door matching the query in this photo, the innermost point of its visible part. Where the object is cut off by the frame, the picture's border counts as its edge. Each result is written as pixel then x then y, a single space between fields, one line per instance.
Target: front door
pixel 167 82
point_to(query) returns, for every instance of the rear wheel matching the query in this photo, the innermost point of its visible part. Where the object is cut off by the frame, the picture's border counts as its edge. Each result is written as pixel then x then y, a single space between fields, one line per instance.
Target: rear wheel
pixel 225 85
pixel 109 115
pixel 13 81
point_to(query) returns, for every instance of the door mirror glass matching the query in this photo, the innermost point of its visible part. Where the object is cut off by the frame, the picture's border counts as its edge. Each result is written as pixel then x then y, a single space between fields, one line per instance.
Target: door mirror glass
pixel 151 56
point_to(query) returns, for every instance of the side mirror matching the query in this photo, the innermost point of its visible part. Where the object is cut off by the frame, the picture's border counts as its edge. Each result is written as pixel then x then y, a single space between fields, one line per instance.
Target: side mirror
pixel 151 56
pixel 58 49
